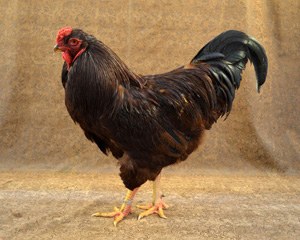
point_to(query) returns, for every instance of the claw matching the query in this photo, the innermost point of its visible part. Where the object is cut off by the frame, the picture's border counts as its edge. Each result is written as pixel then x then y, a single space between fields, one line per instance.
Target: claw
pixel 118 218
pixel 97 214
pixel 140 217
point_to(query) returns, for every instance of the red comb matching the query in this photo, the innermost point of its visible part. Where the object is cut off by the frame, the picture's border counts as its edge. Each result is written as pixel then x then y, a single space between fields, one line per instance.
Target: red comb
pixel 66 31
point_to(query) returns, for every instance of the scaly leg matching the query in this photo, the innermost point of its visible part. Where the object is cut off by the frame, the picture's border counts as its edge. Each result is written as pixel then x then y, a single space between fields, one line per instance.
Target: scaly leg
pixel 120 213
pixel 157 205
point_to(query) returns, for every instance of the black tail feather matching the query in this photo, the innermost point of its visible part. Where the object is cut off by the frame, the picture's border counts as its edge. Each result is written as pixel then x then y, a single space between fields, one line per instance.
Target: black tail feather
pixel 227 55
pixel 260 61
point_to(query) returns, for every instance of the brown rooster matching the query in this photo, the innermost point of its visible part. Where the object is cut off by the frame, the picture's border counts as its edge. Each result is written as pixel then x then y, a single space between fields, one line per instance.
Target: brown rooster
pixel 150 122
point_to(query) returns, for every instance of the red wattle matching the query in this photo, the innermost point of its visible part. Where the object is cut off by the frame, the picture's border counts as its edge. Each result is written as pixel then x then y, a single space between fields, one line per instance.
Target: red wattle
pixel 66 56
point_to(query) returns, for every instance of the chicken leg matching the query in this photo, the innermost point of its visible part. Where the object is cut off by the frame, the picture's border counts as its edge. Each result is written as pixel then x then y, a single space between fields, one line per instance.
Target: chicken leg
pixel 157 204
pixel 119 213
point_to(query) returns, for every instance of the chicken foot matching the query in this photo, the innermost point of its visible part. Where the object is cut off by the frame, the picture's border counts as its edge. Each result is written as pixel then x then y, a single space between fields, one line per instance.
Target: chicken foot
pixel 119 213
pixel 157 205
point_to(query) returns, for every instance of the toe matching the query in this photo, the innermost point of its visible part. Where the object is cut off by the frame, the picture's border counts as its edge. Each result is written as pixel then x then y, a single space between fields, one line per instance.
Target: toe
pixel 165 206
pixel 147 213
pixel 118 218
pixel 158 209
pixel 109 214
pixel 145 207
pixel 160 212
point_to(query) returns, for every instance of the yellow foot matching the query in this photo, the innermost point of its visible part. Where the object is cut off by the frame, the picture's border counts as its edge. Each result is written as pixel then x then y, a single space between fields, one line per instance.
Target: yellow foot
pixel 153 209
pixel 117 214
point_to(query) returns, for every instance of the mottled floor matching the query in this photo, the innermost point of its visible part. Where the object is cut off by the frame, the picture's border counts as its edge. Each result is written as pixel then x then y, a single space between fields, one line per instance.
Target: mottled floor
pixel 37 205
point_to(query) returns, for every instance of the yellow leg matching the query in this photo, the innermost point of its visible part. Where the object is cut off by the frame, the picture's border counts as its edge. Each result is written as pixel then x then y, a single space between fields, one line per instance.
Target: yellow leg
pixel 157 205
pixel 119 213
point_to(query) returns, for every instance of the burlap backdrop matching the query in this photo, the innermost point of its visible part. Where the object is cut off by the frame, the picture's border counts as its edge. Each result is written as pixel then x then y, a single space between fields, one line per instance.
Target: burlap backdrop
pixel 36 132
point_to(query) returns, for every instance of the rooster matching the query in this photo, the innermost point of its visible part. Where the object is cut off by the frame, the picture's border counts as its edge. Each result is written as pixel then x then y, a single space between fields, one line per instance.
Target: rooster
pixel 149 122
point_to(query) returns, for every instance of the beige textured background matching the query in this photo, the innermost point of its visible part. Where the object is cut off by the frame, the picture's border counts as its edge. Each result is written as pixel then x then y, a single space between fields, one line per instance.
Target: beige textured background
pixel 36 132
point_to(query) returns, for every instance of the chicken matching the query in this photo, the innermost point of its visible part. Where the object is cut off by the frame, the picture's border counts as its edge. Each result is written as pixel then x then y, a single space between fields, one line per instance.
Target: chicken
pixel 152 121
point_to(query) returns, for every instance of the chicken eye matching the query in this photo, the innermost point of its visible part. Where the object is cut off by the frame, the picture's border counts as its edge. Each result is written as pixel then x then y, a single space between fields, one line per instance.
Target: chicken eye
pixel 73 41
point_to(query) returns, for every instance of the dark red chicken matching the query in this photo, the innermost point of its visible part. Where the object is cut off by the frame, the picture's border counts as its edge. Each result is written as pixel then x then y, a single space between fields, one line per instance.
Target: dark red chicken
pixel 150 122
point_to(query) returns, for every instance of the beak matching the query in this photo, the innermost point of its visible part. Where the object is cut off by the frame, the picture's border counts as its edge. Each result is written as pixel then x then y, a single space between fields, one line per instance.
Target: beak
pixel 56 48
